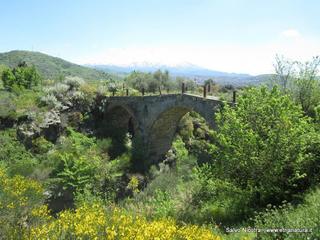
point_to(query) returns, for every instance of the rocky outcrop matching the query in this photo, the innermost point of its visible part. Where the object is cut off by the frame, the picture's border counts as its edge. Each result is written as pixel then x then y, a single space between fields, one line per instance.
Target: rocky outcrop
pixel 6 122
pixel 67 103
pixel 51 126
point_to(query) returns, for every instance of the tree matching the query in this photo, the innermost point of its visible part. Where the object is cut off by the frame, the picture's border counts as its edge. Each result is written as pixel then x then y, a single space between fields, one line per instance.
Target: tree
pixel 209 81
pixel 153 85
pixel 300 80
pixel 21 76
pixel 165 79
pixel 2 68
pixel 27 77
pixel 151 82
pixel 112 87
pixel 8 79
pixel 262 146
pixel 284 70
pixel 138 80
pixel 307 85
pixel 162 78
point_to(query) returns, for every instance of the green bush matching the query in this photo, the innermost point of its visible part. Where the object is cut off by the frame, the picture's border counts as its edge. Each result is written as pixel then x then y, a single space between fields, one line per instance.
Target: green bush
pixel 27 103
pixel 215 201
pixel 157 199
pixel 184 163
pixel 262 145
pixel 19 104
pixel 8 78
pixel 197 136
pixel 264 151
pixel 14 155
pixel 22 76
pixel 77 161
pixel 8 109
pixel 287 216
pixel 81 163
pixel 77 172
pixel 186 128
pixel 41 146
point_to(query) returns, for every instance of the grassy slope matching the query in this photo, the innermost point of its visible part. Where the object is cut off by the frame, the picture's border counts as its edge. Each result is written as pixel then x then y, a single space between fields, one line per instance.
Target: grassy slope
pixel 51 67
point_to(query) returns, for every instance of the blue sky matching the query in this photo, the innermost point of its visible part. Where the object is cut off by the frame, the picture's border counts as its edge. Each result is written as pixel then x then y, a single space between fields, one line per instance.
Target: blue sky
pixel 227 35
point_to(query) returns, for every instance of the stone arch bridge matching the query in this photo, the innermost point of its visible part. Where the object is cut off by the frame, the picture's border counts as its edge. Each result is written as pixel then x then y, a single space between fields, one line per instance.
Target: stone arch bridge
pixel 154 119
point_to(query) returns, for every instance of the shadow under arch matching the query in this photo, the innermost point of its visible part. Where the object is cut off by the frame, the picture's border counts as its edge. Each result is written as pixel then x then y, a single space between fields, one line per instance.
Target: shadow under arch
pixel 119 121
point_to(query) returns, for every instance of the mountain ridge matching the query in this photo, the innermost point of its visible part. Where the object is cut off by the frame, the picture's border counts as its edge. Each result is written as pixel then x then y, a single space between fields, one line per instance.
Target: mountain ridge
pixel 50 67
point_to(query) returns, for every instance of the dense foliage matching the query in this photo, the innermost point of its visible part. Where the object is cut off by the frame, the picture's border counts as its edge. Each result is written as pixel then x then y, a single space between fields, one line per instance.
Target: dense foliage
pixel 262 146
pixel 63 177
pixel 301 81
pixel 261 156
pixel 21 76
pixel 14 156
pixel 158 82
pixel 304 218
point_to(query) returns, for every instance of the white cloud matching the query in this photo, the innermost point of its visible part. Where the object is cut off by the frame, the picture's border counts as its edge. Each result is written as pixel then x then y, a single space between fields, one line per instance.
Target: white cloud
pixel 253 59
pixel 291 33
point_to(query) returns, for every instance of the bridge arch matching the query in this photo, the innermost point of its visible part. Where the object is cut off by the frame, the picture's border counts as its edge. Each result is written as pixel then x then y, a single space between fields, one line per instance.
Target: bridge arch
pixel 164 128
pixel 120 117
pixel 119 120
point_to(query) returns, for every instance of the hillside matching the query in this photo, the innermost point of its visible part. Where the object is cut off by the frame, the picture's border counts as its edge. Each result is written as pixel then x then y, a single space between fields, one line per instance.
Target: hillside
pixel 51 67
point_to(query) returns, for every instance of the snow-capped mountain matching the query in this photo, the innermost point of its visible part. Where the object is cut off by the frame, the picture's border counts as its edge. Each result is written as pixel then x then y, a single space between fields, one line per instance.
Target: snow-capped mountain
pixel 185 69
pixel 181 69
